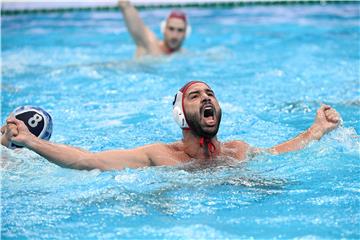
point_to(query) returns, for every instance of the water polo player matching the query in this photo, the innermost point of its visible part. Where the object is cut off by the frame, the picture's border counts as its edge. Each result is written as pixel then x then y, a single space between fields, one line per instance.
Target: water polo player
pixel 175 29
pixel 197 112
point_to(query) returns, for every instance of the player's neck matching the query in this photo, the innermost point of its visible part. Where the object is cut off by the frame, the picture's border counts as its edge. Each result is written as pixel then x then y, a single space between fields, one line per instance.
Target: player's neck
pixel 166 49
pixel 200 147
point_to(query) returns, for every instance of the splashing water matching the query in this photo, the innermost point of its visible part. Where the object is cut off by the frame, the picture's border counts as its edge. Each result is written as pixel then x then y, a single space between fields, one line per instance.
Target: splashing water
pixel 271 67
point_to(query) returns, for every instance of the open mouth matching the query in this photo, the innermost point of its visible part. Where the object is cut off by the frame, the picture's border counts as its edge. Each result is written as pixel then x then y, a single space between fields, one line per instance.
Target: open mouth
pixel 208 113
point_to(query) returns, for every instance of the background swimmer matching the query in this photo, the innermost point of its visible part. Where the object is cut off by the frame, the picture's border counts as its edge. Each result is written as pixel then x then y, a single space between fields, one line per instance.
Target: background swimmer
pixel 197 112
pixel 175 30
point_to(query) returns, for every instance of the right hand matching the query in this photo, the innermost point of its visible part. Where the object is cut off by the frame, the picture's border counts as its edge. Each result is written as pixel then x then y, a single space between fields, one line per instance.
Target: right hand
pixel 15 131
pixel 123 3
pixel 326 120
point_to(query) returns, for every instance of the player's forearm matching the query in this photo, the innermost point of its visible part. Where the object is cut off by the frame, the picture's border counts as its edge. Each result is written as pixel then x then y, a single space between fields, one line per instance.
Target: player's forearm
pixel 299 142
pixel 134 23
pixel 63 155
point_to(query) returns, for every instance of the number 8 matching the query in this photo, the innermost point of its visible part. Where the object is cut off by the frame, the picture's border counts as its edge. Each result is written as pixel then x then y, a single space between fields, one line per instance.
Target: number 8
pixel 34 121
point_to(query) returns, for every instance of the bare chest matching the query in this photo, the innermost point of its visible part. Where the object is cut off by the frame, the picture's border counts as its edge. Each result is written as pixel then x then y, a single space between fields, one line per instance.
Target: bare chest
pixel 176 157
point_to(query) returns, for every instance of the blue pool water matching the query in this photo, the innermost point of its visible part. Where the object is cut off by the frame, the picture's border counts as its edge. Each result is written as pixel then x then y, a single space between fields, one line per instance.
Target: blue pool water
pixel 271 67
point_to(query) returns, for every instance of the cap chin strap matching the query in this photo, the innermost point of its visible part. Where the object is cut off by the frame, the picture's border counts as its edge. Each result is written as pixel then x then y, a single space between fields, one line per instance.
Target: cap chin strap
pixel 163 26
pixel 211 147
pixel 169 50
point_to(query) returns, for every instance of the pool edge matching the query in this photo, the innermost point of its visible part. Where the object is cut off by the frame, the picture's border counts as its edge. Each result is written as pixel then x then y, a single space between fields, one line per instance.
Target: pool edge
pixel 223 4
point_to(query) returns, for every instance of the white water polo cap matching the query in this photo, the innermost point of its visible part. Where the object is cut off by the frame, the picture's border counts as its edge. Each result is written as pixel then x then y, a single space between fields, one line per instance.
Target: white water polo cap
pixel 178 105
pixel 37 120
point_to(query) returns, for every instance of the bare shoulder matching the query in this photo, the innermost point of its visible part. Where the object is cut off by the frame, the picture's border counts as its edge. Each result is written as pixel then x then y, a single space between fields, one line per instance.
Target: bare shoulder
pixel 161 154
pixel 155 147
pixel 237 144
pixel 163 148
pixel 237 149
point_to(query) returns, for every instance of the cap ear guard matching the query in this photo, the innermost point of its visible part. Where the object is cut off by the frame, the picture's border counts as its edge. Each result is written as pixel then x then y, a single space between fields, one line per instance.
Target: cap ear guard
pixel 178 112
pixel 163 26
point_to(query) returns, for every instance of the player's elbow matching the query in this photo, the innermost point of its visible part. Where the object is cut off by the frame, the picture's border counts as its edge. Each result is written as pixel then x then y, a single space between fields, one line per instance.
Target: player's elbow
pixel 87 161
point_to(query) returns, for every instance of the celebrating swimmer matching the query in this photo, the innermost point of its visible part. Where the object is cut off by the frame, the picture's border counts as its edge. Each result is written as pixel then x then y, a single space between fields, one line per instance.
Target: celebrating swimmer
pixel 197 111
pixel 175 29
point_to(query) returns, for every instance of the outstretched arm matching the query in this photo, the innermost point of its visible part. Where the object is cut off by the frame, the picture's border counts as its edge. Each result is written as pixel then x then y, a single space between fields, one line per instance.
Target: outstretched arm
pixel 326 120
pixel 66 156
pixel 142 36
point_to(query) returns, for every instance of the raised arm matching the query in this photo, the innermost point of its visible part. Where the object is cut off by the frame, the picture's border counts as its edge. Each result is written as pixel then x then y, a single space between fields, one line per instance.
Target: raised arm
pixel 326 120
pixel 142 36
pixel 71 157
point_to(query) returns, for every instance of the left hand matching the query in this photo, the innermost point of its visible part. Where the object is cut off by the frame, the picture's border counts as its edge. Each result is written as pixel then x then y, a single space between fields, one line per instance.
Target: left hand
pixel 326 120
pixel 7 132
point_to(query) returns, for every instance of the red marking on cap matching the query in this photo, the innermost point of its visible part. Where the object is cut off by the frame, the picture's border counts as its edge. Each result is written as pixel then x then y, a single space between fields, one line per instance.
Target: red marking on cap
pixel 178 14
pixel 187 85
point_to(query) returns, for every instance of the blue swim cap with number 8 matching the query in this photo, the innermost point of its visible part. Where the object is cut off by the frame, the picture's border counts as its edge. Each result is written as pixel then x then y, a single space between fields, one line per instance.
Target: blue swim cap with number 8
pixel 36 119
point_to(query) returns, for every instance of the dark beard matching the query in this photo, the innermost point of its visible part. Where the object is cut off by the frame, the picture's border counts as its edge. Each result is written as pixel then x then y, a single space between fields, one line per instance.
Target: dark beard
pixel 195 127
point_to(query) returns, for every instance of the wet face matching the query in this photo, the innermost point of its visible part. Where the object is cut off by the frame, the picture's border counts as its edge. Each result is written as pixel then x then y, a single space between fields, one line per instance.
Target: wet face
pixel 174 34
pixel 202 110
